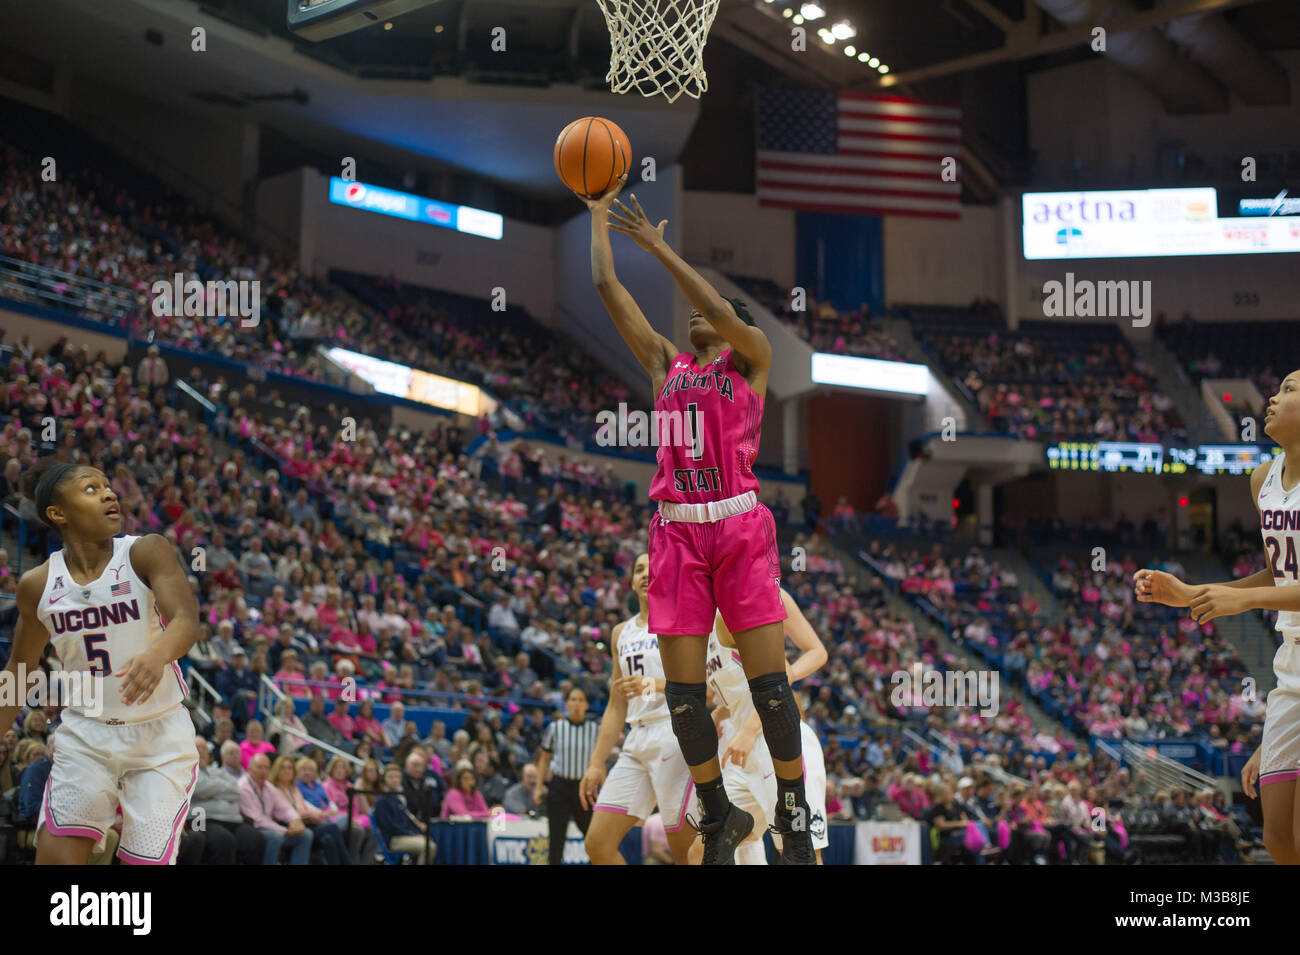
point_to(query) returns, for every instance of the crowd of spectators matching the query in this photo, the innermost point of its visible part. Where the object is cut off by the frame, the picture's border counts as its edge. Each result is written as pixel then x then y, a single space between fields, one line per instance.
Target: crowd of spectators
pixel 824 327
pixel 1046 389
pixel 384 573
pixel 1219 350
pixel 92 231
pixel 1110 666
pixel 392 571
pixel 490 583
pixel 1079 811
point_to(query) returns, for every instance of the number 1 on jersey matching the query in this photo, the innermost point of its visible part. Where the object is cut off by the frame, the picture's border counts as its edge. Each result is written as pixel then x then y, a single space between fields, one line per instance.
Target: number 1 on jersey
pixel 696 439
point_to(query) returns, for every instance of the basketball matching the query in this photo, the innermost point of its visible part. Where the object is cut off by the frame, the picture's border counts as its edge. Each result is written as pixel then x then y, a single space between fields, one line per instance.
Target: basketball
pixel 590 154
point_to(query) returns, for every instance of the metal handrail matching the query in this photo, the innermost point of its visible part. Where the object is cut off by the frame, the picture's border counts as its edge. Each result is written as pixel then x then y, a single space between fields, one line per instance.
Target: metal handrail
pixel 195 677
pixel 50 270
pixel 267 690
pixel 1157 770
pixel 203 402
pixel 474 698
pixel 90 294
pixel 1110 751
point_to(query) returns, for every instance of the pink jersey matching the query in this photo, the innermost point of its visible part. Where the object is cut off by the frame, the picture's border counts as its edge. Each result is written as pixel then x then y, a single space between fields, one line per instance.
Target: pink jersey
pixel 708 425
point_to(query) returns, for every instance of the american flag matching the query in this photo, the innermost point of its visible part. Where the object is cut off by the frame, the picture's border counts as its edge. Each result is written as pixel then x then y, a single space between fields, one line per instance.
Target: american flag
pixel 120 590
pixel 857 152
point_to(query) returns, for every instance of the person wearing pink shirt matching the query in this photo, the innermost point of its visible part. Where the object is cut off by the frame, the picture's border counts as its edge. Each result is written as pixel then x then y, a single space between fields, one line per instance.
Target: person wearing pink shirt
pixel 368 727
pixel 366 639
pixel 253 744
pixel 465 799
pixel 325 833
pixel 909 795
pixel 341 721
pixel 338 777
pixel 288 728
pixel 290 677
pixel 269 812
pixel 327 614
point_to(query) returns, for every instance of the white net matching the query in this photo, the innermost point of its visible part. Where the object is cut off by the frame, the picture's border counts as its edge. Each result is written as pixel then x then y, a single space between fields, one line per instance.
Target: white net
pixel 657 46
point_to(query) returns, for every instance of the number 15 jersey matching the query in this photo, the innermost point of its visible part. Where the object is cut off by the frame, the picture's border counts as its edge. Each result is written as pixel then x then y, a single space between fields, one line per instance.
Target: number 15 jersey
pixel 638 655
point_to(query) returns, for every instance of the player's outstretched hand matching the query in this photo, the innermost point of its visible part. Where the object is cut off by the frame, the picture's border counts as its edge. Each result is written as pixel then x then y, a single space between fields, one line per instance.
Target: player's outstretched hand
pixel 635 223
pixel 602 203
pixel 1250 774
pixel 589 788
pixel 1216 600
pixel 140 675
pixel 1157 586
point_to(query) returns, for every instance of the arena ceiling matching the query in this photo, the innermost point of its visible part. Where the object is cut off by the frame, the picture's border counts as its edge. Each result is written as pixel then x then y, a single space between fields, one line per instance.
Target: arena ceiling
pixel 419 94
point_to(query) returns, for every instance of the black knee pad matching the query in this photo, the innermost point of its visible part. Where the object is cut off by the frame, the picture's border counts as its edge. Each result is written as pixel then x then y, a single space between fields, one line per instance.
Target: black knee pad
pixel 696 734
pixel 774 701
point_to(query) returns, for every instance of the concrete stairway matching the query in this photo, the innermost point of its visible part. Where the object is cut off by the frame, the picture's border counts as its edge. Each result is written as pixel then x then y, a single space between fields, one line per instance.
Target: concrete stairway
pixel 862 577
pixel 1173 380
pixel 1255 642
pixel 1030 583
pixel 901 331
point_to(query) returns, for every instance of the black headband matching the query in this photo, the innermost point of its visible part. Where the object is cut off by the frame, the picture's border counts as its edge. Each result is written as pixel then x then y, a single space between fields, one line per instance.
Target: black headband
pixel 46 486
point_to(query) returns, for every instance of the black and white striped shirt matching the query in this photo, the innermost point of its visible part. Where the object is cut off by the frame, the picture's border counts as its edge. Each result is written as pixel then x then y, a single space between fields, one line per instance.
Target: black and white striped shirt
pixel 570 745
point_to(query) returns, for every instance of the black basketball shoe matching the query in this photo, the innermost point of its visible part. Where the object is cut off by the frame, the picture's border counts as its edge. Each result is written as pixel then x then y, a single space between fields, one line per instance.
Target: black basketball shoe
pixel 796 841
pixel 721 836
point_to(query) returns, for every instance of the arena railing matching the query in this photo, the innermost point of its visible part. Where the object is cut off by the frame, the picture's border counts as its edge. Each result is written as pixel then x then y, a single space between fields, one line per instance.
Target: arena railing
pixel 920 742
pixel 194 678
pixel 269 696
pixel 122 323
pixel 1160 772
pixel 473 699
pixel 14 516
pixel 28 280
pixel 207 406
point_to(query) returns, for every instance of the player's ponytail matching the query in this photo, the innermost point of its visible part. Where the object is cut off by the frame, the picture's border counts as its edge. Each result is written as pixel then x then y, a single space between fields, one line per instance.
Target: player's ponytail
pixel 41 483
pixel 742 312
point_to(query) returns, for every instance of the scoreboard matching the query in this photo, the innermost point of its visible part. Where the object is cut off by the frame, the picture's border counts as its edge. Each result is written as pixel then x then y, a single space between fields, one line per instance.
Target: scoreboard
pixel 1146 458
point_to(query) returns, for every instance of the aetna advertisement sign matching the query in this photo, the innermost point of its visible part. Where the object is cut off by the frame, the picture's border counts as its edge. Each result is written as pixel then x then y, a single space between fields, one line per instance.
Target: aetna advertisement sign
pixel 1138 223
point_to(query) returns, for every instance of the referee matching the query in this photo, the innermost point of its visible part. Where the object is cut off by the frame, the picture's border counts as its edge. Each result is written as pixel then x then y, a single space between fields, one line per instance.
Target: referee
pixel 568 744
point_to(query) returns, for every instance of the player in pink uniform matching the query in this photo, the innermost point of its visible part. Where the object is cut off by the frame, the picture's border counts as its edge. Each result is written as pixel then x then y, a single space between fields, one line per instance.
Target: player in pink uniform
pixel 102 601
pixel 712 545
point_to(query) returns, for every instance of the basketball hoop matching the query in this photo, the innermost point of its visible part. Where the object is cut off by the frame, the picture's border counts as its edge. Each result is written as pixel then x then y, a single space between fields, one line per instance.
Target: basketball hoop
pixel 657 46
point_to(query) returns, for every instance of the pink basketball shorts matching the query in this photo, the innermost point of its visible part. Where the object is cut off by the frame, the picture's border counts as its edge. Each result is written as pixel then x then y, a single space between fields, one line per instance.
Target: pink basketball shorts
pixel 731 565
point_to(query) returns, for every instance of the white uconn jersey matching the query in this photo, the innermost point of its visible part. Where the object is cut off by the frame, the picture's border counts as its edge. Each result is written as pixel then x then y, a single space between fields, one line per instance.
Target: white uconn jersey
pixel 1279 522
pixel 98 627
pixel 723 670
pixel 638 655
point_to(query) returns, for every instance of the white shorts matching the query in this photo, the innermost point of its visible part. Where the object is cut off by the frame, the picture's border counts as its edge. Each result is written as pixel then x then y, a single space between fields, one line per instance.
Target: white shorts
pixel 1280 758
pixel 650 771
pixel 753 787
pixel 148 767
